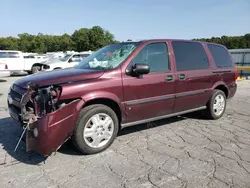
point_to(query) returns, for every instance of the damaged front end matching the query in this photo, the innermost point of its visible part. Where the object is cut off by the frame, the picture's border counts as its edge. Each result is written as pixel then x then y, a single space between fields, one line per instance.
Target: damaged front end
pixel 47 121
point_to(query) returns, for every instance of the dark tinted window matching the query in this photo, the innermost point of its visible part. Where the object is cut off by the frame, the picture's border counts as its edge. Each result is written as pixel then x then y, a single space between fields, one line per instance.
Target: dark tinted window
pixel 190 56
pixel 13 54
pixel 84 55
pixel 155 55
pixel 220 55
pixel 3 55
pixel 28 57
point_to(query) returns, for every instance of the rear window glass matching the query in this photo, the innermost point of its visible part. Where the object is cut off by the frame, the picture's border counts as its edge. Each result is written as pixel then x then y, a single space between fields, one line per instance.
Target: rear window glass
pixel 190 56
pixel 3 55
pixel 220 55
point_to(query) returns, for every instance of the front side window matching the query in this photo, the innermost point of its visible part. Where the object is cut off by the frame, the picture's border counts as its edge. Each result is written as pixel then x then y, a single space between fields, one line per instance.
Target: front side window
pixel 108 57
pixel 189 56
pixel 29 57
pixel 220 55
pixel 65 58
pixel 3 55
pixel 83 56
pixel 75 58
pixel 155 55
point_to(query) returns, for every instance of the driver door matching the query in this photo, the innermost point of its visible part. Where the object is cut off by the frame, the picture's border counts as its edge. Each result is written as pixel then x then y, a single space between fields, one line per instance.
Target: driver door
pixel 152 95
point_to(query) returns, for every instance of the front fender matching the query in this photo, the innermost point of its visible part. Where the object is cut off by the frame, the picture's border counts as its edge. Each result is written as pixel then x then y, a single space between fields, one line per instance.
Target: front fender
pixel 101 95
pixel 105 95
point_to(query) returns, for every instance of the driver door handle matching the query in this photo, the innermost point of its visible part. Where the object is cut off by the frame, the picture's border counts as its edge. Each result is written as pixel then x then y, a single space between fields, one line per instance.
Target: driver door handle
pixel 169 78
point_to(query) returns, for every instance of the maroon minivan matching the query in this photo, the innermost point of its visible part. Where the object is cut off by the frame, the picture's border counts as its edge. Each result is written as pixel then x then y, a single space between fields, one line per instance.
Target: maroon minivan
pixel 121 85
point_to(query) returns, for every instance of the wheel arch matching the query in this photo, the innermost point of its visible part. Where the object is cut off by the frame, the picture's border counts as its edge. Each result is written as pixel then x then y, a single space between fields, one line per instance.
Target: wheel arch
pixel 221 86
pixel 107 99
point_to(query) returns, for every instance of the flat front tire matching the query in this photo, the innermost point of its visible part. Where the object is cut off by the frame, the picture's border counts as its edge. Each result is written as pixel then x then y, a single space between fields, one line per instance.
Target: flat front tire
pixel 96 129
pixel 217 105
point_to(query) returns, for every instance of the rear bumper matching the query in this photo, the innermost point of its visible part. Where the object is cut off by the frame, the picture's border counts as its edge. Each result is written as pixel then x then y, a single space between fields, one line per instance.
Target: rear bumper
pixel 232 90
pixel 53 129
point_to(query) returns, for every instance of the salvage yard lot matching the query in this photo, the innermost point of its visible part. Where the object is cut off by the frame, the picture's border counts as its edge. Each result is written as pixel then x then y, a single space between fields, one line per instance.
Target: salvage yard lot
pixel 186 151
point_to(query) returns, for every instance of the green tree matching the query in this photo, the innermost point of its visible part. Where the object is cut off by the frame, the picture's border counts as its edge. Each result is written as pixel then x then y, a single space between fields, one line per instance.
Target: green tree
pixel 81 40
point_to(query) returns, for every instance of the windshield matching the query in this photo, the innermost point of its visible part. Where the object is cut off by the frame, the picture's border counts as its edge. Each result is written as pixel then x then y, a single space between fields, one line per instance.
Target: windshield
pixel 65 58
pixel 108 57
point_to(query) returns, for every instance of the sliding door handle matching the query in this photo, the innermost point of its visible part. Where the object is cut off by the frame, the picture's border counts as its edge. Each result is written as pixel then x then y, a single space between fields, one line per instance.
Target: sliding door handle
pixel 182 77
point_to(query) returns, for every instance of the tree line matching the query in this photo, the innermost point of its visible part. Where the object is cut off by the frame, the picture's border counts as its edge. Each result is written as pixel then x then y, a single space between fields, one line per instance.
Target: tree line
pixel 91 39
pixel 83 39
pixel 231 42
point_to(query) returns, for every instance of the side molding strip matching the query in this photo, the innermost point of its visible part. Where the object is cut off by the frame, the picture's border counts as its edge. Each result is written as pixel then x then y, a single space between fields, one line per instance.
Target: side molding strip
pixel 161 117
pixel 149 100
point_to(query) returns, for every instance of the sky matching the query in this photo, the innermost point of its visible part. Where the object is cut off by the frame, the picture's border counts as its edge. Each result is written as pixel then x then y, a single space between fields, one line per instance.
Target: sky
pixel 128 19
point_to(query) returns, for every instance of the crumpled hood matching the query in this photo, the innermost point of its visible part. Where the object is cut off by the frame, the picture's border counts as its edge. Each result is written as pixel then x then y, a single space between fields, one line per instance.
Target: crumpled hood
pixel 58 77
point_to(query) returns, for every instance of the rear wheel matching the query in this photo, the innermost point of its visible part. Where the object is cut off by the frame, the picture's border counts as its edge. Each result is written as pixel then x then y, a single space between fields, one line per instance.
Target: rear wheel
pixel 96 129
pixel 216 105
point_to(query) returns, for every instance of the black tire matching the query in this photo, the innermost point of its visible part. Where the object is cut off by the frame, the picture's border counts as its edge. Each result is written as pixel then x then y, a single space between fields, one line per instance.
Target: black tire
pixel 210 112
pixel 35 69
pixel 85 114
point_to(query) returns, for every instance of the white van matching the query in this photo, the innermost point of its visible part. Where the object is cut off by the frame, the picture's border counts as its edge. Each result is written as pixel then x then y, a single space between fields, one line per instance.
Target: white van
pixel 18 62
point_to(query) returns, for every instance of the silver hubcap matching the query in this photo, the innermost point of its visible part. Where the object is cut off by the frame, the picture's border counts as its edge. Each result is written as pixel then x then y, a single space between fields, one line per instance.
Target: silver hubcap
pixel 98 130
pixel 219 104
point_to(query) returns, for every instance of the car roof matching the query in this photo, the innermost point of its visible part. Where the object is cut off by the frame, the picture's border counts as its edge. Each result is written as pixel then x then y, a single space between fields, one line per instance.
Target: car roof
pixel 183 40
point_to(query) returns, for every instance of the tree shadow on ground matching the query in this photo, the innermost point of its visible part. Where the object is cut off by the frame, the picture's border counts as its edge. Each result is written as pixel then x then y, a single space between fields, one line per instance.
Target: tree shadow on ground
pixel 10 132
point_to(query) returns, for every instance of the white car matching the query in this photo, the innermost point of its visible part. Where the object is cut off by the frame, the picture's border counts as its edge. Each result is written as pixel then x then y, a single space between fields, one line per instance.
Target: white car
pixel 19 62
pixel 4 72
pixel 68 61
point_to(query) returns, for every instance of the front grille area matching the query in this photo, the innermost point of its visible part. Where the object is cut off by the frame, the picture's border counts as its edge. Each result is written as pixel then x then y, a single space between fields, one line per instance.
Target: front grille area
pixel 15 96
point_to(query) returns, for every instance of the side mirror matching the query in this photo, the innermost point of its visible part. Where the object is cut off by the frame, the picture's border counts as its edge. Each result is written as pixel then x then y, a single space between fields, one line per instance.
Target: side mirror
pixel 140 69
pixel 70 60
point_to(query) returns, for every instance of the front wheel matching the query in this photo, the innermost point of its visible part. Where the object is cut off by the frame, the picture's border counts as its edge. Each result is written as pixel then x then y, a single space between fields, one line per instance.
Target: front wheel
pixel 96 129
pixel 216 105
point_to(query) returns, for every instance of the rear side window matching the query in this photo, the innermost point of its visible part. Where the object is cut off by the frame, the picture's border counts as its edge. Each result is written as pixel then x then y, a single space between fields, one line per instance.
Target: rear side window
pixel 220 55
pixel 190 56
pixel 3 55
pixel 13 55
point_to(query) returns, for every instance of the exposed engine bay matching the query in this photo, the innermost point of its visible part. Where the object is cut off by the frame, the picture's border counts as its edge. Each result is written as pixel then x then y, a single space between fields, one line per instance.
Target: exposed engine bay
pixel 38 106
pixel 37 102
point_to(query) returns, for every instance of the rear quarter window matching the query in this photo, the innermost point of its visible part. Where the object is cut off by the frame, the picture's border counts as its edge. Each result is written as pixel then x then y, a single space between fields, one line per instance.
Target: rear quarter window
pixel 13 54
pixel 190 56
pixel 220 55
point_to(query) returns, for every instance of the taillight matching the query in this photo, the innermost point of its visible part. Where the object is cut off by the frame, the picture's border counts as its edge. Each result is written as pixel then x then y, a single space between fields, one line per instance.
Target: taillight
pixel 6 66
pixel 236 74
